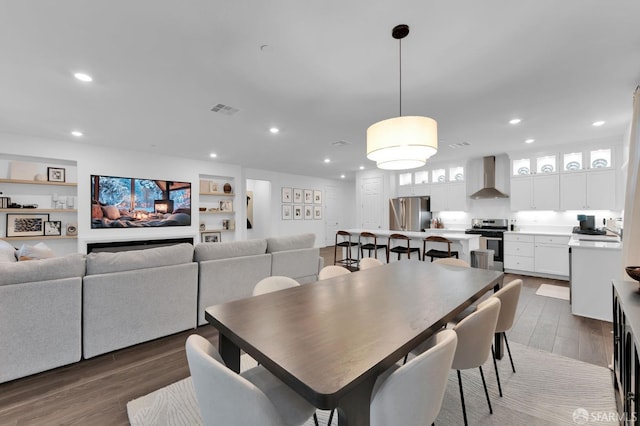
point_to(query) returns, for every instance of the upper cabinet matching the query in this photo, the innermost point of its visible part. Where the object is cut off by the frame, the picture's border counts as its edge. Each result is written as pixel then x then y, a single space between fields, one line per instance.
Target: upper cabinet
pixel 444 183
pixel 535 183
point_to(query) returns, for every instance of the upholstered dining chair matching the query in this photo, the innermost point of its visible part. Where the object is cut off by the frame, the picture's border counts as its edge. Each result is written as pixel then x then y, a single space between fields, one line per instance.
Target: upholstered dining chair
pixel 332 271
pixel 475 335
pixel 452 261
pixel 372 245
pixel 369 262
pixel 274 283
pixel 509 296
pixel 433 253
pixel 253 397
pixel 403 246
pixel 412 394
pixel 344 240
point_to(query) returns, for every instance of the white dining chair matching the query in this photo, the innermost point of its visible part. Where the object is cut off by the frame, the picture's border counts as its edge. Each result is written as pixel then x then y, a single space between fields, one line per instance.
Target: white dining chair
pixel 475 336
pixel 274 283
pixel 412 394
pixel 253 397
pixel 452 261
pixel 332 271
pixel 369 262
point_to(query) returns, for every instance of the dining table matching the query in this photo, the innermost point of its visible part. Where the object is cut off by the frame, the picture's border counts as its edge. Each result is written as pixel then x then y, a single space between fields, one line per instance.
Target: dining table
pixel 331 339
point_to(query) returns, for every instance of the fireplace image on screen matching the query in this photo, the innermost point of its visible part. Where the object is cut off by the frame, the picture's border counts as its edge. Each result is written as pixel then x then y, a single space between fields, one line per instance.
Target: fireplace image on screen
pixel 119 202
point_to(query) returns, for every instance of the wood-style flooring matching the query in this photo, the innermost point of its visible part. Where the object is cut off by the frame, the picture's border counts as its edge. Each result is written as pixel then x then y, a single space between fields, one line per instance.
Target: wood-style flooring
pixel 95 391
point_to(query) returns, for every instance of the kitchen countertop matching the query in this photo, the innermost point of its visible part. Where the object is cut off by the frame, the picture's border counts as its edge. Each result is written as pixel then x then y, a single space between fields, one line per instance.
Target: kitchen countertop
pixel 593 242
pixel 567 234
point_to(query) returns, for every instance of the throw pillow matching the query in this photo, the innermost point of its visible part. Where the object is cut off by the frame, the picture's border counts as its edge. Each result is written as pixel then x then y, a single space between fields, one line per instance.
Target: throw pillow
pixel 7 252
pixel 39 251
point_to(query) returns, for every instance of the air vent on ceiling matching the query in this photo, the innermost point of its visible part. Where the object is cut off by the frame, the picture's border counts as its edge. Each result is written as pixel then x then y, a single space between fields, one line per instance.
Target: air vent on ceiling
pixel 459 145
pixel 339 143
pixel 224 109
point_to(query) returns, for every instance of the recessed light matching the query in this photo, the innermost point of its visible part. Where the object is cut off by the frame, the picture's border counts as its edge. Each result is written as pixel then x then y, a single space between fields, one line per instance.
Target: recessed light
pixel 515 121
pixel 529 141
pixel 274 130
pixel 83 77
pixel 76 133
pixel 327 160
pixel 342 176
pixel 361 167
pixel 598 123
pixel 213 155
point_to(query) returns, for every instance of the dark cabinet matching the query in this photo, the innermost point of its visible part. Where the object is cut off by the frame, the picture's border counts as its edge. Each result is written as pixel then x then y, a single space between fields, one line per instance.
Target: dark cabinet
pixel 626 361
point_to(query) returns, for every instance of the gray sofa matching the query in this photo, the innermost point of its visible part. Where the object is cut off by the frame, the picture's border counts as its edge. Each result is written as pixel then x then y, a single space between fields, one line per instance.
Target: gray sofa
pixel 40 315
pixel 53 312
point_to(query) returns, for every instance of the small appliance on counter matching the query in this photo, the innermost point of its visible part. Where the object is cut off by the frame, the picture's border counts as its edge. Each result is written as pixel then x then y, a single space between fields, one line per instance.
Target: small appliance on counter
pixel 588 226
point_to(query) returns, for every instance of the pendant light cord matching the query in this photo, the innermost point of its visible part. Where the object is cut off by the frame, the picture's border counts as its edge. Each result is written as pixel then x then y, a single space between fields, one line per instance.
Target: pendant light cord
pixel 400 61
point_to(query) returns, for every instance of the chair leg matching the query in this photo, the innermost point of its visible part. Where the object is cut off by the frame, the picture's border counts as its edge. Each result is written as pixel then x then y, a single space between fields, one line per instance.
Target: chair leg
pixel 315 419
pixel 508 351
pixel 495 366
pixel 464 409
pixel 335 253
pixel 486 392
pixel 330 417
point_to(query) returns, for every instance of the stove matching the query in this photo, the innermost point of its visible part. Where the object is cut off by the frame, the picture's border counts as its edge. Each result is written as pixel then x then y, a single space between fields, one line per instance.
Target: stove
pixel 491 233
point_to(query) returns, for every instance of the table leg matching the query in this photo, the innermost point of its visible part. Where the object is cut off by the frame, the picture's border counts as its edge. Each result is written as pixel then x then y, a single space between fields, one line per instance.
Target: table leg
pixel 229 352
pixel 354 408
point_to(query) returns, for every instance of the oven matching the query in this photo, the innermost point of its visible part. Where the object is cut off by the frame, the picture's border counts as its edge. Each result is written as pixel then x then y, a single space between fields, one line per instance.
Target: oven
pixel 491 232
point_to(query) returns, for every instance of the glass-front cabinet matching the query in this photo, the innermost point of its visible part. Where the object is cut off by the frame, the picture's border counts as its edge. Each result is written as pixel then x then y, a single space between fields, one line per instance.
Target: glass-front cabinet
pixel 546 164
pixel 588 159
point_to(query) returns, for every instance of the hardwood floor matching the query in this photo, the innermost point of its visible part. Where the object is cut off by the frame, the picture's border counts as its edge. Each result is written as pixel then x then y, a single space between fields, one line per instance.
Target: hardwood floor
pixel 96 391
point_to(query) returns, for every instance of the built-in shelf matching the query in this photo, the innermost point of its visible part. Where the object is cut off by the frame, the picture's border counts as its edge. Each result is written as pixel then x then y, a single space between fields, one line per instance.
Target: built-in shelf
pixel 227 194
pixel 38 182
pixel 41 237
pixel 217 230
pixel 27 211
pixel 219 212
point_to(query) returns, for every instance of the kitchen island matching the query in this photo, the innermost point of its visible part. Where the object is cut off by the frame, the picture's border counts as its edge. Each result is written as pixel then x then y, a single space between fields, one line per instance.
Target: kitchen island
pixel 463 243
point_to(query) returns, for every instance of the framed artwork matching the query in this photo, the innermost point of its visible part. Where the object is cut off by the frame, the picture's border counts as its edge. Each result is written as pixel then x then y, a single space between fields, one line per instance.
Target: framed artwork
pixel 297 212
pixel 317 197
pixel 55 174
pixel 211 237
pixel 308 212
pixel 286 195
pixel 286 212
pixel 317 212
pixel 226 206
pixel 53 228
pixel 26 225
pixel 308 196
pixel 297 195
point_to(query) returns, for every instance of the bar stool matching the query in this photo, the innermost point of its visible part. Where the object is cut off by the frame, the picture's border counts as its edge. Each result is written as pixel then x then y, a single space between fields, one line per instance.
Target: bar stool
pixel 371 246
pixel 400 249
pixel 440 254
pixel 345 243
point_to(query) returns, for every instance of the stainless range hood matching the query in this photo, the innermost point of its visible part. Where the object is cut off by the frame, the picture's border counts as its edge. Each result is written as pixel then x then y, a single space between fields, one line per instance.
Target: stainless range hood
pixel 489 173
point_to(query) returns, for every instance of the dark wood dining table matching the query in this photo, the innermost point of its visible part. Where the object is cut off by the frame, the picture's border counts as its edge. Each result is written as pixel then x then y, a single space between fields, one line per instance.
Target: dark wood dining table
pixel 329 340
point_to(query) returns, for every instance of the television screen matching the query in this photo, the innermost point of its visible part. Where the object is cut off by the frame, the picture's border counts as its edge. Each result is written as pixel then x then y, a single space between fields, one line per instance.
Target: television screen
pixel 119 202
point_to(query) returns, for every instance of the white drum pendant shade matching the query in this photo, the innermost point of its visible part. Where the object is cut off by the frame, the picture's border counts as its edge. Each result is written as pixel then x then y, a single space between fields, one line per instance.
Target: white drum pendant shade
pixel 402 143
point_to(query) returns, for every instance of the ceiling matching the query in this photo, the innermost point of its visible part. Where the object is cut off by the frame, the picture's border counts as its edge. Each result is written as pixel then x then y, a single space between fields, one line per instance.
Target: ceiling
pixel 321 71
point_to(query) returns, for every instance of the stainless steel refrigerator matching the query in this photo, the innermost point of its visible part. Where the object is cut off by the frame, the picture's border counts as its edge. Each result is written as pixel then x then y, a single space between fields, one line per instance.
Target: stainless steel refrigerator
pixel 409 213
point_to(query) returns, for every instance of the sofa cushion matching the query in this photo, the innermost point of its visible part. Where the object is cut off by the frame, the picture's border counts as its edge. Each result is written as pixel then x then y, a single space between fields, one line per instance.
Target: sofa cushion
pixel 105 262
pixel 69 266
pixel 292 242
pixel 215 251
pixel 7 253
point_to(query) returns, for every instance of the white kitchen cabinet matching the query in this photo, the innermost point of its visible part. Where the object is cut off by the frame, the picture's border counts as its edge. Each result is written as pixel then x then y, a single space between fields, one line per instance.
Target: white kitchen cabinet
pixel 519 252
pixel 536 192
pixel 450 196
pixel 589 189
pixel 416 184
pixel 551 255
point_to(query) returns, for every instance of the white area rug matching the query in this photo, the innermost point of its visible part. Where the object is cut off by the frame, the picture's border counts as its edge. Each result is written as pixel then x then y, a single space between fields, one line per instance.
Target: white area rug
pixel 557 291
pixel 547 389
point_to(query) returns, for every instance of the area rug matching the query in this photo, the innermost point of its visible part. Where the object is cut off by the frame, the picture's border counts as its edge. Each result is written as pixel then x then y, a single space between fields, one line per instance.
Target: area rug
pixel 547 390
pixel 557 291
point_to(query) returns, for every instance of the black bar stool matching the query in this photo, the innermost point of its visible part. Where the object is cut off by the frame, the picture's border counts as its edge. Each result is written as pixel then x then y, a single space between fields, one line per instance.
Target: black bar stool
pixel 440 254
pixel 402 249
pixel 374 246
pixel 347 243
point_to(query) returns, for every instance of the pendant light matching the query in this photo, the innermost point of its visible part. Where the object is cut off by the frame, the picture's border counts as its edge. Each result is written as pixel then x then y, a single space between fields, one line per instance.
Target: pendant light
pixel 402 143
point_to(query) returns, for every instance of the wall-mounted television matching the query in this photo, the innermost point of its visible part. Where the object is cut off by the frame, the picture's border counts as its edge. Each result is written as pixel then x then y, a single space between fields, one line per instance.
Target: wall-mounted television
pixel 123 202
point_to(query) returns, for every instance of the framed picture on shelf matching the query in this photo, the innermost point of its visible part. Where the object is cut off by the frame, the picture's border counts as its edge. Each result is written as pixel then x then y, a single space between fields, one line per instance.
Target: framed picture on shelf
pixel 317 212
pixel 308 196
pixel 213 187
pixel 211 237
pixel 317 197
pixel 226 206
pixel 26 225
pixel 286 195
pixel 297 212
pixel 55 174
pixel 297 195
pixel 286 212
pixel 308 212
pixel 53 227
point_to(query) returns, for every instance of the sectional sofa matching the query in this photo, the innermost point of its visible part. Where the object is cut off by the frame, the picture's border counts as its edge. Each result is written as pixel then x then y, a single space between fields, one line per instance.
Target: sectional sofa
pixel 54 312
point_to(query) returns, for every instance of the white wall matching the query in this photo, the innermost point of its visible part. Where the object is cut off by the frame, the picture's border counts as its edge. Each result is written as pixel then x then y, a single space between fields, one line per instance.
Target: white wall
pixel 262 212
